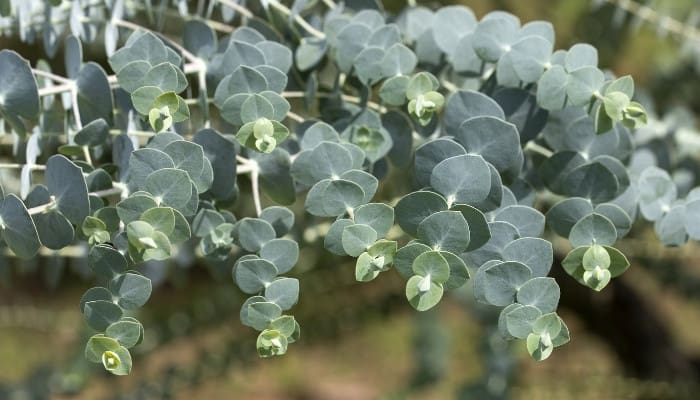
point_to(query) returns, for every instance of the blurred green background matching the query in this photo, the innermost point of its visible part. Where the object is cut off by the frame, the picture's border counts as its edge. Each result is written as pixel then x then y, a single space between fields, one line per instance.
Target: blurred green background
pixel 638 339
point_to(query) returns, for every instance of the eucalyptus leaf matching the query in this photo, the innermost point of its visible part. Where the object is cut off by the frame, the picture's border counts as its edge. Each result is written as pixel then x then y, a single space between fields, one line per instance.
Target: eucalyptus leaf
pixel 18 91
pixel 593 229
pixel 541 293
pixel 100 314
pixel 502 281
pixel 331 198
pixel 445 230
pixel 284 292
pixel 254 233
pixel 536 253
pixel 17 227
pixel 376 215
pixel 253 275
pixel 66 183
pixel 282 253
pixel 357 238
pixel 420 299
pixel 462 179
pixel 413 208
pixel 132 290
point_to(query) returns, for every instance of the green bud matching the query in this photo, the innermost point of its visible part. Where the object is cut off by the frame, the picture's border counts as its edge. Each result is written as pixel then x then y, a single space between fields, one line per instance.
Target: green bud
pixel 377 262
pixel 271 342
pixel 266 144
pixel 160 119
pixel 362 136
pixel 99 237
pixel 424 284
pixel 596 257
pixel 263 128
pixel 615 104
pixel 148 242
pixel 597 278
pixel 546 339
pixel 111 360
pixel 425 105
pixel 634 116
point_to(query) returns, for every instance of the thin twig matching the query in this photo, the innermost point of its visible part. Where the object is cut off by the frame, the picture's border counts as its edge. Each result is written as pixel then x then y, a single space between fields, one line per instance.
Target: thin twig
pixel 57 89
pixel 218 26
pixel 451 87
pixel 20 166
pixel 295 117
pixel 299 20
pixel 51 76
pixel 235 6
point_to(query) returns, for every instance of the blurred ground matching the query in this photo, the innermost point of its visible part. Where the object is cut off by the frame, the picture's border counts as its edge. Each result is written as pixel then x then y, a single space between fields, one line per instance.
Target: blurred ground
pixel 369 358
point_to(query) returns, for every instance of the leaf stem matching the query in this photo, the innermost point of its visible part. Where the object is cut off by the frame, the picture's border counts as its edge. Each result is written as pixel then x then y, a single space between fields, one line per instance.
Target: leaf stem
pixel 117 189
pixel 42 208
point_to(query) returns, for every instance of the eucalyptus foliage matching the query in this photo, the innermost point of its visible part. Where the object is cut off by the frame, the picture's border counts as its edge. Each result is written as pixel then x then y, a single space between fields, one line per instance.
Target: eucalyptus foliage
pixel 138 160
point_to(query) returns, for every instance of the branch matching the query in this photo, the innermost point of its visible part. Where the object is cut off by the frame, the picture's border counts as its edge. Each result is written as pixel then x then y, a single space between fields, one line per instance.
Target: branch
pixel 242 169
pixel 248 166
pixel 330 4
pixel 348 98
pixel 652 16
pixel 255 189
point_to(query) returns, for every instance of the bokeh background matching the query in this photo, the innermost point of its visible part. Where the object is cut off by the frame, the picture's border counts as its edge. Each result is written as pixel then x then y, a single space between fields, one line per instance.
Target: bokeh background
pixel 638 339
